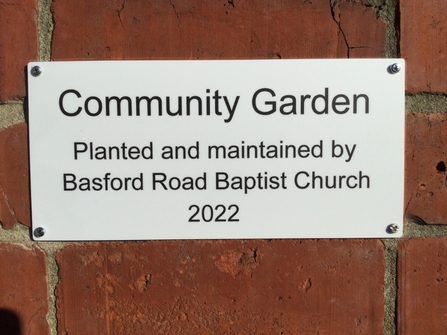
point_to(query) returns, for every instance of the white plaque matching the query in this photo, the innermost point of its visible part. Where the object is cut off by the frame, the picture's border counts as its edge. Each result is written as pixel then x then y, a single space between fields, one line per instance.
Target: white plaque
pixel 138 150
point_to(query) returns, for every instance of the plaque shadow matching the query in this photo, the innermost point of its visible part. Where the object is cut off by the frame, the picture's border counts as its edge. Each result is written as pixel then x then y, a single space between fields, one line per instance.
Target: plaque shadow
pixel 9 323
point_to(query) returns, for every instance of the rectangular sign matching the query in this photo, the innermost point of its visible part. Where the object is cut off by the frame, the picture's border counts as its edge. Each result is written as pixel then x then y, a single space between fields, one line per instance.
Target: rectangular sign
pixel 136 150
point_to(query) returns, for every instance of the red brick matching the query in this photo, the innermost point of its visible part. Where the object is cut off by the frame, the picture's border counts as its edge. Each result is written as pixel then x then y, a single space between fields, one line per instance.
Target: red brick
pixel 18 45
pixel 362 35
pixel 423 44
pixel 23 290
pixel 14 176
pixel 197 29
pixel 422 278
pixel 425 167
pixel 222 287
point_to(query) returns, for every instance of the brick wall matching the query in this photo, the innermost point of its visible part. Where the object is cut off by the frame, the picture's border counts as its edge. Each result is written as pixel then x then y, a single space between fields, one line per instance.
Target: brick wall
pixel 242 286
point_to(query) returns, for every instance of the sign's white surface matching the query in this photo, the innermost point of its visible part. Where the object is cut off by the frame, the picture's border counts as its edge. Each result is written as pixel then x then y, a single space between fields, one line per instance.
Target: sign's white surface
pixel 136 150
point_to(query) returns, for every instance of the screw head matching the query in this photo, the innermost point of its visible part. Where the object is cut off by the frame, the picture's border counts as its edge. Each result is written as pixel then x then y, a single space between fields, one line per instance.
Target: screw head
pixel 39 232
pixel 36 71
pixel 392 228
pixel 394 68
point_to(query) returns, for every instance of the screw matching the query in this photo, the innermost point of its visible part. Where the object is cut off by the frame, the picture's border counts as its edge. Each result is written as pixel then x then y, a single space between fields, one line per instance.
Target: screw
pixel 392 228
pixel 394 68
pixel 39 232
pixel 36 71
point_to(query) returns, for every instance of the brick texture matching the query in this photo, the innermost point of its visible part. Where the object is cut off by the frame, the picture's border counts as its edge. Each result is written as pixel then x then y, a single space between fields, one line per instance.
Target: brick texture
pixel 14 176
pixel 426 167
pixel 197 29
pixel 422 280
pixel 222 287
pixel 18 45
pixel 361 34
pixel 23 291
pixel 423 44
